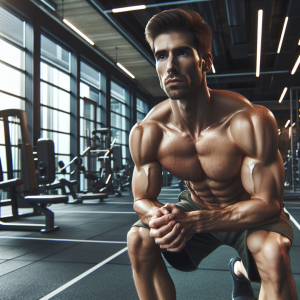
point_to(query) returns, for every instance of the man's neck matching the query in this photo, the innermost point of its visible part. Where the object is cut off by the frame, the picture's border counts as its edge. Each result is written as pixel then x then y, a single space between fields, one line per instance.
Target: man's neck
pixel 193 114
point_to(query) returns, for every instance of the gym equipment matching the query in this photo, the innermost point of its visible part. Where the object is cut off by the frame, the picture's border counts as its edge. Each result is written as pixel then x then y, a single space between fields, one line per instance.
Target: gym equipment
pixel 79 197
pixel 23 192
pixel 97 183
pixel 122 174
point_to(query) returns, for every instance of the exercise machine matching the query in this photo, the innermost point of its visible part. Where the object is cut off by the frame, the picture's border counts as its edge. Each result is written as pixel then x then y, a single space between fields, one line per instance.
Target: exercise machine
pixel 80 197
pixel 23 191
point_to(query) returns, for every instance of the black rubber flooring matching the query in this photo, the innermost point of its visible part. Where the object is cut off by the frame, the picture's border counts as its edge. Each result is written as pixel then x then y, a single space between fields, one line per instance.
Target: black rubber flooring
pixel 87 258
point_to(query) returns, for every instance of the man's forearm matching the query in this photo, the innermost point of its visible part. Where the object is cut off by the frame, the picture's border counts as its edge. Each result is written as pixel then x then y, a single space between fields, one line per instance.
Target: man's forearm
pixel 239 216
pixel 146 209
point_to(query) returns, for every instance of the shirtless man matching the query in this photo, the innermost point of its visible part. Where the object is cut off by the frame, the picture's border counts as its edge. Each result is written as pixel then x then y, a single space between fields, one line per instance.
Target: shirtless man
pixel 226 151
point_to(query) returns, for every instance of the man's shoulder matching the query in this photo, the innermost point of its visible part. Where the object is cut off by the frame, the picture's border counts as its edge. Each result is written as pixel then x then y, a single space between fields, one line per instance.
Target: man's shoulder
pixel 254 126
pixel 240 109
pixel 155 120
pixel 250 125
pixel 146 135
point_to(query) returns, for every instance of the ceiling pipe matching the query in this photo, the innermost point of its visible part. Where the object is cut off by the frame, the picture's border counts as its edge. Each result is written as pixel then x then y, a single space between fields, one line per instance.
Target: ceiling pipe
pixel 246 73
pixel 236 20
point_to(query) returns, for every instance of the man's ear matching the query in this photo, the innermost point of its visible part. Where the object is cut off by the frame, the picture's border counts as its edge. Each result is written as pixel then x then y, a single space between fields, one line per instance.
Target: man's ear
pixel 207 62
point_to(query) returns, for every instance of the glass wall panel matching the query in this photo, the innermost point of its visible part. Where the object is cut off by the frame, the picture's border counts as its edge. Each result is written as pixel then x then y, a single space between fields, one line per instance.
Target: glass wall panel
pixel 90 117
pixel 55 54
pixel 55 120
pixel 8 102
pixel 55 99
pixel 12 27
pixel 90 75
pixel 12 83
pixel 120 119
pixel 12 55
pixel 141 109
pixel 55 76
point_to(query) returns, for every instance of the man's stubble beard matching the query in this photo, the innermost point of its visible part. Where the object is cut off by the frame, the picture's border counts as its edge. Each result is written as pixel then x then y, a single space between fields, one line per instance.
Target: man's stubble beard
pixel 176 93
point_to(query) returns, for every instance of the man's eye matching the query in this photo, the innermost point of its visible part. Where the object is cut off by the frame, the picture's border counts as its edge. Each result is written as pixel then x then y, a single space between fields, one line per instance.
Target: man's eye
pixel 161 56
pixel 182 53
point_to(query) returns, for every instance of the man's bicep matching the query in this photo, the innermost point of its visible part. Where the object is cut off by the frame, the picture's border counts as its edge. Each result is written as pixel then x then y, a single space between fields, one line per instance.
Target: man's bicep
pixel 147 181
pixel 263 180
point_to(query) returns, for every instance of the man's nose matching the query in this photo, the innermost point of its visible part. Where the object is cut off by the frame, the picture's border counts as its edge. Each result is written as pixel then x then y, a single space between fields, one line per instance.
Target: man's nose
pixel 172 65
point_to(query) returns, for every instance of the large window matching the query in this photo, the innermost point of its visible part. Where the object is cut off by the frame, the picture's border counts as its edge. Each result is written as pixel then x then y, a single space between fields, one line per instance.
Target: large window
pixel 120 119
pixel 55 97
pixel 12 82
pixel 91 115
pixel 141 109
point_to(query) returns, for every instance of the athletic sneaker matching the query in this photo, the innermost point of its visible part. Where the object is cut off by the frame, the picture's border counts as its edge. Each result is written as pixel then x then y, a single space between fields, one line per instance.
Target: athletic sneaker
pixel 242 289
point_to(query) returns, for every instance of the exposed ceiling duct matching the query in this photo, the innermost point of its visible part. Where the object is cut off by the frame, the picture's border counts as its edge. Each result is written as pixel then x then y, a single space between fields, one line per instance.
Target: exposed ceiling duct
pixel 237 25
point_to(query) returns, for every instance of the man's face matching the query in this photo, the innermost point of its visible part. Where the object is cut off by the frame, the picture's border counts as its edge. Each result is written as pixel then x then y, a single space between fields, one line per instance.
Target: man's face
pixel 178 64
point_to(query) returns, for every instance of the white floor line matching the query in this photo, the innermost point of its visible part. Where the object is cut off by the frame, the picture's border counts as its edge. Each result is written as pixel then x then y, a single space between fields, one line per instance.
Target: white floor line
pixel 291 217
pixel 60 240
pixel 93 212
pixel 63 287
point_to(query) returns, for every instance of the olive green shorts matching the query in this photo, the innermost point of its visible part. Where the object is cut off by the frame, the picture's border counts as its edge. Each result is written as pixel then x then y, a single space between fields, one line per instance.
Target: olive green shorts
pixel 202 244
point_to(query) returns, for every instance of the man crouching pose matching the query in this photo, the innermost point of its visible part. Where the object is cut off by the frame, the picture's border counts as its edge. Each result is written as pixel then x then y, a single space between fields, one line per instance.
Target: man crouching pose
pixel 225 148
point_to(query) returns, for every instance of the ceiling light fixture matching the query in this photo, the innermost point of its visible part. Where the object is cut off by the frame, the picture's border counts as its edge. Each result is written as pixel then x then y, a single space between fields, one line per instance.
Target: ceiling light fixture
pixel 296 65
pixel 287 123
pixel 299 43
pixel 283 94
pixel 213 68
pixel 49 4
pixel 282 34
pixel 78 31
pixel 129 8
pixel 259 35
pixel 138 7
pixel 125 70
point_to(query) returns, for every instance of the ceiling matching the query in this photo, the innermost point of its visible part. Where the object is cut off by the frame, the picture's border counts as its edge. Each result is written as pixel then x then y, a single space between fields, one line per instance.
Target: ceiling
pixel 234 26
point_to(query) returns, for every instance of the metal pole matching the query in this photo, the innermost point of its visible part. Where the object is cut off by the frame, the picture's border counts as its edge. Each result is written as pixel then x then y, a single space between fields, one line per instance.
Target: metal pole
pixel 292 136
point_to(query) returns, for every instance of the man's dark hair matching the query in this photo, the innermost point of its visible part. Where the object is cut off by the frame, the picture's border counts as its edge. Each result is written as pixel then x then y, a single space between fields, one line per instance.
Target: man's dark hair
pixel 179 19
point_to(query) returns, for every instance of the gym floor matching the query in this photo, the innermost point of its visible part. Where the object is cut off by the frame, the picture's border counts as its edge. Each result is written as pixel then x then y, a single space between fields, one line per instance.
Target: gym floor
pixel 88 259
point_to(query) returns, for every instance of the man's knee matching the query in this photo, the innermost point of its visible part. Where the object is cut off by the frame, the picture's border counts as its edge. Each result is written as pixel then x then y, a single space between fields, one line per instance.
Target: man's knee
pixel 270 251
pixel 141 247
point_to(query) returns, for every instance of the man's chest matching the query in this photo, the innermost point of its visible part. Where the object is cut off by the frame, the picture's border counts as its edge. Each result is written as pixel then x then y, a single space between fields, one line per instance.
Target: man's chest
pixel 212 156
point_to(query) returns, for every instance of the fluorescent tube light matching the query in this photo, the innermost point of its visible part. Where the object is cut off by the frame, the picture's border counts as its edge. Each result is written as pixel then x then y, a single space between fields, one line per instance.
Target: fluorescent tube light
pixel 129 8
pixel 299 43
pixel 78 32
pixel 287 123
pixel 293 124
pixel 282 34
pixel 125 70
pixel 259 34
pixel 213 68
pixel 49 4
pixel 283 94
pixel 296 65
